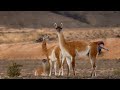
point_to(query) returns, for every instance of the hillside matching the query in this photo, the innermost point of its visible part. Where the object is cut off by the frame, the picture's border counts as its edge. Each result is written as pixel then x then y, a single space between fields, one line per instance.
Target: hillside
pixel 71 19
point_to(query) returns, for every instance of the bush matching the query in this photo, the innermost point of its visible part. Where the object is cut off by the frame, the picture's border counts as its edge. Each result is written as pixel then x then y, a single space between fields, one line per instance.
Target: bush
pixel 116 72
pixel 14 70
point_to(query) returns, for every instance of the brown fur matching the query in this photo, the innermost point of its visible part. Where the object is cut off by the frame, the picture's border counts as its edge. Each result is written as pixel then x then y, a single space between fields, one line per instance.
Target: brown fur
pixel 93 50
pixel 44 49
pixel 71 46
pixel 57 54
pixel 93 53
pixel 48 51
pixel 38 71
pixel 80 46
pixel 44 70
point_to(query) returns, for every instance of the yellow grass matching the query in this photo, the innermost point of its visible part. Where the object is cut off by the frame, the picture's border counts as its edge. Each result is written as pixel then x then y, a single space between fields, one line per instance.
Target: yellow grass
pixel 28 35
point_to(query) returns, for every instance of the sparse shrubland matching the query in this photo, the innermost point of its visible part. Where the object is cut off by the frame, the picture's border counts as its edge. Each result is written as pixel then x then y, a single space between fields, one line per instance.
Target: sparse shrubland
pixel 14 70
pixel 82 33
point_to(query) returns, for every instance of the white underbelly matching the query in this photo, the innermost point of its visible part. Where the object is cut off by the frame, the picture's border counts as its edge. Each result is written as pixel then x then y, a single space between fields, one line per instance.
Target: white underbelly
pixel 65 53
pixel 82 53
pixel 52 56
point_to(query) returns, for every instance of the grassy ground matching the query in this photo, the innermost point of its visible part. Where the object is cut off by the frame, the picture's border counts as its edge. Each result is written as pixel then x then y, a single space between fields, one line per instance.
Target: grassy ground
pixel 106 69
pixel 21 44
pixel 20 47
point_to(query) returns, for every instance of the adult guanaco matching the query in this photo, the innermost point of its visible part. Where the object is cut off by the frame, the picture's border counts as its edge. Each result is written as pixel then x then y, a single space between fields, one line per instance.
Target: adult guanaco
pixel 72 49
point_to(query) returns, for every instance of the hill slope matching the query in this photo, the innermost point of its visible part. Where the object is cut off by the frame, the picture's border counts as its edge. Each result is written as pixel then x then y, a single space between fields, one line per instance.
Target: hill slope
pixel 71 19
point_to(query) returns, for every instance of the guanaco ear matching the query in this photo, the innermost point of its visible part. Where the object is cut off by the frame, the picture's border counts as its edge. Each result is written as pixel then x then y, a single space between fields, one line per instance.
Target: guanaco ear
pixel 55 25
pixel 61 25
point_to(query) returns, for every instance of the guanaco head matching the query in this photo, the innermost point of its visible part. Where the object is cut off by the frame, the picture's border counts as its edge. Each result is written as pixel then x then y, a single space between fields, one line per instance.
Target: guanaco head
pixel 101 46
pixel 101 43
pixel 44 60
pixel 45 37
pixel 58 28
pixel 39 40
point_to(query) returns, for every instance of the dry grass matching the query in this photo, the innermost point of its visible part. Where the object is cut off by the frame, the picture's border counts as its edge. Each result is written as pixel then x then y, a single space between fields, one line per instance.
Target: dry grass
pixel 33 50
pixel 20 46
pixel 28 35
pixel 106 69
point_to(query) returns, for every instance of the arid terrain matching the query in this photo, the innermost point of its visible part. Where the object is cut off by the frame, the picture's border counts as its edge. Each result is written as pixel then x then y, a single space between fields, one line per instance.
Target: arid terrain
pixel 17 47
pixel 106 69
pixel 19 31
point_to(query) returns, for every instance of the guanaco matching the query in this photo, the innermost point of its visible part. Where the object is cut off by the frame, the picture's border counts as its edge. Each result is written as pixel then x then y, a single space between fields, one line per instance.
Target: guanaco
pixel 53 55
pixel 72 49
pixel 44 69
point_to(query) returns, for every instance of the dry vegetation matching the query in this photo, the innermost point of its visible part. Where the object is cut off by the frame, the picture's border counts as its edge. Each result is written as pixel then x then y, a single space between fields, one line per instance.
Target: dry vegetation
pixel 30 35
pixel 106 69
pixel 20 46
pixel 20 29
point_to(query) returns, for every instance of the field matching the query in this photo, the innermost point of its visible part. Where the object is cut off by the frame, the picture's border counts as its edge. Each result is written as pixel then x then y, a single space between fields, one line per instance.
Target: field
pixel 19 46
pixel 106 69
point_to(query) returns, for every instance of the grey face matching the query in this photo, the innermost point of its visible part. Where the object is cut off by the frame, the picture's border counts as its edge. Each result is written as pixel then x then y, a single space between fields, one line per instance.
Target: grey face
pixel 58 28
pixel 46 37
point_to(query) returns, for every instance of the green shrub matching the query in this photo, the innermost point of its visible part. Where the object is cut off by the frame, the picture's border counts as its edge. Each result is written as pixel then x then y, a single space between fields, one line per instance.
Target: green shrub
pixel 14 70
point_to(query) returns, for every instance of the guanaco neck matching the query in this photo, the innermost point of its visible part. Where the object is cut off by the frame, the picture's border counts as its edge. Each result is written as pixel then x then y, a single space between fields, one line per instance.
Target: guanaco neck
pixel 44 48
pixel 44 68
pixel 61 38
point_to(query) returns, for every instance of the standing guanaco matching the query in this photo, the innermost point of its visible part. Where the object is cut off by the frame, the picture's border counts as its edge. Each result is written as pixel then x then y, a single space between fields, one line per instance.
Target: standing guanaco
pixel 72 49
pixel 53 54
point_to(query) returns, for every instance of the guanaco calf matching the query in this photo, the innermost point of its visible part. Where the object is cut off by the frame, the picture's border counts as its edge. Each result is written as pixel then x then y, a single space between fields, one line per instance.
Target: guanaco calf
pixel 44 70
pixel 53 55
